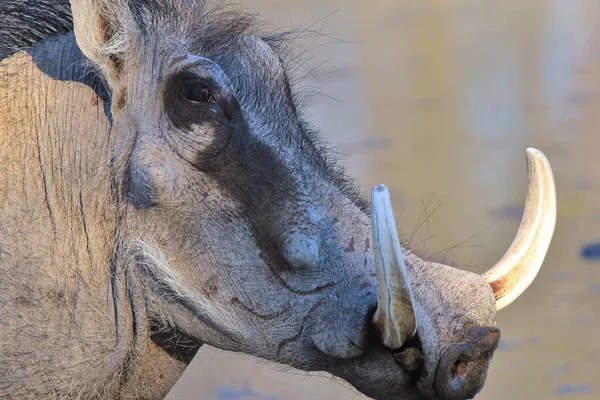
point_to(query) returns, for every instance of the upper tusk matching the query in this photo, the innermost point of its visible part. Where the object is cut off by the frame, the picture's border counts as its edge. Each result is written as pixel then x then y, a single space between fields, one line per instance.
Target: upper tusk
pixel 519 266
pixel 395 316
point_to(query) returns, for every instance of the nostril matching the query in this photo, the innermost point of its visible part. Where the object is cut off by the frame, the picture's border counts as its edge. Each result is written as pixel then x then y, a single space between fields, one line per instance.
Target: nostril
pixel 461 372
pixel 460 368
pixel 301 250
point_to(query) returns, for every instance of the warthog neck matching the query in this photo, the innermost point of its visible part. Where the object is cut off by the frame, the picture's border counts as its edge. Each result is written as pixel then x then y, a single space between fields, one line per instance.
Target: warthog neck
pixel 60 218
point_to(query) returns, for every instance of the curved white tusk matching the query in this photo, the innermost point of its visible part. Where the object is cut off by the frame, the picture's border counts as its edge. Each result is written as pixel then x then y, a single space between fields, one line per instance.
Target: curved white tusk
pixel 395 316
pixel 513 274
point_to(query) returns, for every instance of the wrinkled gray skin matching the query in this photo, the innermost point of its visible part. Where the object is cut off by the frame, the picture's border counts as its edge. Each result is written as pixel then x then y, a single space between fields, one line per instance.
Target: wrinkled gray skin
pixel 141 217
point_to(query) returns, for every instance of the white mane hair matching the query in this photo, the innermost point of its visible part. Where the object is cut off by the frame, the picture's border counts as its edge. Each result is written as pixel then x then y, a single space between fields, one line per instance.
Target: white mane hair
pixel 156 267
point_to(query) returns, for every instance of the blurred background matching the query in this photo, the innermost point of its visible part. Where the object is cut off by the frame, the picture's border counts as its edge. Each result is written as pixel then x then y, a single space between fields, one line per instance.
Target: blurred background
pixel 439 99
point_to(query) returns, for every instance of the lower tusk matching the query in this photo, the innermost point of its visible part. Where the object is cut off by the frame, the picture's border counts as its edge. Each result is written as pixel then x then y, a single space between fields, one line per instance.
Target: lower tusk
pixel 517 269
pixel 395 316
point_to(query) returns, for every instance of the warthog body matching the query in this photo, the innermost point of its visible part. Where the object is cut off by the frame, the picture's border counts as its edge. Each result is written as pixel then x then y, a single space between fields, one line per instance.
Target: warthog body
pixel 160 190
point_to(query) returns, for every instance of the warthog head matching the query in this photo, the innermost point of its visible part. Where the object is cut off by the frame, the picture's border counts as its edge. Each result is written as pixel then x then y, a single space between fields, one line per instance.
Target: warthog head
pixel 242 233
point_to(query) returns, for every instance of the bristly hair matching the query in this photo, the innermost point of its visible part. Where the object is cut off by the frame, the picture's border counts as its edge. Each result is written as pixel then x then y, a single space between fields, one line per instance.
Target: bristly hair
pixel 25 22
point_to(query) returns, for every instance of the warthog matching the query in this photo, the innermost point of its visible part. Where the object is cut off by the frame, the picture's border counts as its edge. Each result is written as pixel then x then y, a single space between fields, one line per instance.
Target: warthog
pixel 160 190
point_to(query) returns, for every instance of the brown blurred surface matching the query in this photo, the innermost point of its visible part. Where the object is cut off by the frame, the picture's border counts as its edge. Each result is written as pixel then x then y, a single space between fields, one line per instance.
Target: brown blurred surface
pixel 439 99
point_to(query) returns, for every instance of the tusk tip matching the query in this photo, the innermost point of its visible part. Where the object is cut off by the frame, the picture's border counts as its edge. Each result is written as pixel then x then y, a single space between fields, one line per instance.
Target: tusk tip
pixel 380 188
pixel 535 153
pixel 533 150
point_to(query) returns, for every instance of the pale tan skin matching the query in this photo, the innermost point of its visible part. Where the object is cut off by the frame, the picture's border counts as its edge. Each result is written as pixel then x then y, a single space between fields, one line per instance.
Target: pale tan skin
pixel 121 251
pixel 56 315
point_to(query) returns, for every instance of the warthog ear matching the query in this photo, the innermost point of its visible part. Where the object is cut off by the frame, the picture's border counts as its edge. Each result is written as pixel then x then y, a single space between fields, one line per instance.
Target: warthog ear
pixel 104 30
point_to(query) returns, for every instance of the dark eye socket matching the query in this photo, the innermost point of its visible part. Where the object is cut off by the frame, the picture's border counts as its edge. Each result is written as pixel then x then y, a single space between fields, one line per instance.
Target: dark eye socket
pixel 197 93
pixel 191 99
pixel 195 90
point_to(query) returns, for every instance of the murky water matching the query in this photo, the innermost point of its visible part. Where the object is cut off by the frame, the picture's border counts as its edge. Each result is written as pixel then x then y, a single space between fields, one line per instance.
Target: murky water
pixel 439 99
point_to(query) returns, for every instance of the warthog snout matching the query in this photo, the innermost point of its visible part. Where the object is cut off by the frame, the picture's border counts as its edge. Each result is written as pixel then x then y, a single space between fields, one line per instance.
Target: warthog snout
pixel 463 368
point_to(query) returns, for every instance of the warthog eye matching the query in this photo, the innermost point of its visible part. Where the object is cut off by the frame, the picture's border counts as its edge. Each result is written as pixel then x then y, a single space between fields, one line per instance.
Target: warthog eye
pixel 197 93
pixel 195 89
pixel 206 116
pixel 192 99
